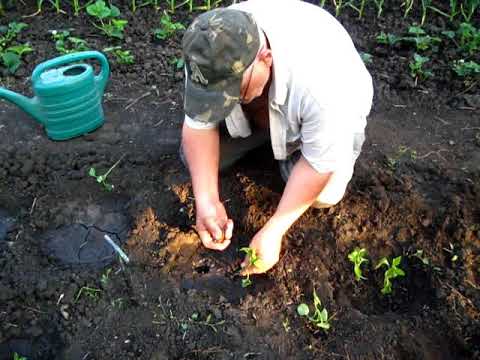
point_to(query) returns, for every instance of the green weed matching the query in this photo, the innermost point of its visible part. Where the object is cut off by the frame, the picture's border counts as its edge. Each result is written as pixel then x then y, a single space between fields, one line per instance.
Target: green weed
pixel 18 357
pixel 167 27
pixel 320 315
pixel 388 39
pixel 66 44
pixel 11 54
pixel 253 261
pixel 178 63
pixel 107 18
pixel 417 70
pixel 422 40
pixel 466 68
pixel 469 37
pixel 393 271
pixel 102 179
pixel 91 293
pixel 357 257
pixel 123 57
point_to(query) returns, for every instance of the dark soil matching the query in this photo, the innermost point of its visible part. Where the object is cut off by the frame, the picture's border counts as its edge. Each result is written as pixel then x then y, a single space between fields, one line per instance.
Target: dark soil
pixel 416 187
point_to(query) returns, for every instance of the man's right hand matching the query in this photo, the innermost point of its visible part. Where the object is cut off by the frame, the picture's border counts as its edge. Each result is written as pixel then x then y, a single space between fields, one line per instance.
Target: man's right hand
pixel 213 225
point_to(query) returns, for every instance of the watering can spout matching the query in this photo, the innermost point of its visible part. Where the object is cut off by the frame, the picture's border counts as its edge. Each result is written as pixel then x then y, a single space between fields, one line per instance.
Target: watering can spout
pixel 30 106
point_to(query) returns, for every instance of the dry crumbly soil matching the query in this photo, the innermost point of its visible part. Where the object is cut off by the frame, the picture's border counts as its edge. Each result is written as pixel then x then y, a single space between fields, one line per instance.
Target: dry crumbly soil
pixel 416 187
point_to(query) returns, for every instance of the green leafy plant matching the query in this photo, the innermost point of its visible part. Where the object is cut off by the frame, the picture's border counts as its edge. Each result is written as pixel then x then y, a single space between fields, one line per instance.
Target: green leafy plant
pixel 123 57
pixel 107 18
pixel 417 71
pixel 469 37
pixel 388 39
pixel 357 257
pixel 167 27
pixel 11 54
pixel 419 255
pixel 393 271
pixel 66 44
pixel 366 57
pixel 102 179
pixel 90 292
pixel 18 357
pixel 178 63
pixel 105 278
pixel 253 261
pixel 422 40
pixel 320 315
pixel 466 68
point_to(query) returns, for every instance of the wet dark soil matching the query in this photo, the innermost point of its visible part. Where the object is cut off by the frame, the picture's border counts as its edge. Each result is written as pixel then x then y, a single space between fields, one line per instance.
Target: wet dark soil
pixel 416 187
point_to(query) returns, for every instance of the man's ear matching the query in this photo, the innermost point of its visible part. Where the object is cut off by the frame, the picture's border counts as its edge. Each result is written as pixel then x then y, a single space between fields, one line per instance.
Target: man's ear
pixel 266 57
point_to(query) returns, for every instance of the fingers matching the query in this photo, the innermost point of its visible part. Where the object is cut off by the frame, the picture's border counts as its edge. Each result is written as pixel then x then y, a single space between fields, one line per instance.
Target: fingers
pixel 214 229
pixel 208 242
pixel 228 228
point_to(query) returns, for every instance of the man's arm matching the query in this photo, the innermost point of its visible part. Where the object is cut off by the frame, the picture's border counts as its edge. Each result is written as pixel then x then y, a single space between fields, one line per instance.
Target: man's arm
pixel 303 187
pixel 201 149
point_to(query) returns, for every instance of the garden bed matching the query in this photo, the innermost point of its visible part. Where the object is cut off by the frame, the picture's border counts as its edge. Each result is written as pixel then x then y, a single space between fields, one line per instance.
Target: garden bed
pixel 416 188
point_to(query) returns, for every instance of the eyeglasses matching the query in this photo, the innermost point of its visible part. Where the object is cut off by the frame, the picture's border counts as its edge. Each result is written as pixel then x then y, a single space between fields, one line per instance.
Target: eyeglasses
pixel 243 93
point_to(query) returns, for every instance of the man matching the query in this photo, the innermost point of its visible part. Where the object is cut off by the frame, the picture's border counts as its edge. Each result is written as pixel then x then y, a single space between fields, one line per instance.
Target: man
pixel 282 71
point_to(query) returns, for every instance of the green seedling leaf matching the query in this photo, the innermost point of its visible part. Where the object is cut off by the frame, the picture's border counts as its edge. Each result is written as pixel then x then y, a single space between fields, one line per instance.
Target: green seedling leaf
pixel 92 172
pixel 99 10
pixel 383 262
pixel 20 50
pixel 366 57
pixel 391 272
pixel 357 257
pixel 11 61
pixel 246 282
pixel 303 309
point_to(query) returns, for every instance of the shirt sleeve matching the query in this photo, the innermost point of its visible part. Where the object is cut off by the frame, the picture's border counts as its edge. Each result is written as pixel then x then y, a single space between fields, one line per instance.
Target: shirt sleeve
pixel 327 136
pixel 198 125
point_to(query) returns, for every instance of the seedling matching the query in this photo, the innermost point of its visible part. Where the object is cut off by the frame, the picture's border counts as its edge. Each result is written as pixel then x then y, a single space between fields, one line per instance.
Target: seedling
pixel 10 54
pixel 421 39
pixel 357 257
pixel 469 37
pixel 66 44
pixel 124 57
pixel 177 62
pixel 392 272
pixel 452 252
pixel 253 261
pixel 107 18
pixel 388 39
pixel 168 28
pixel 105 277
pixel 419 255
pixel 417 70
pixel 286 325
pixel 320 316
pixel 92 293
pixel 366 57
pixel 102 179
pixel 466 68
pixel 18 357
pixel 403 151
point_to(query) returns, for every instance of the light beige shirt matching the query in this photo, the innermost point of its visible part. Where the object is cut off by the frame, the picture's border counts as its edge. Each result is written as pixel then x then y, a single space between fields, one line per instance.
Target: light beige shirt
pixel 321 91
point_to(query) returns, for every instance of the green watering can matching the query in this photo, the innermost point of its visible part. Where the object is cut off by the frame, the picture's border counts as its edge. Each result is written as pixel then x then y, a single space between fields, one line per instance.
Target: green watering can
pixel 68 99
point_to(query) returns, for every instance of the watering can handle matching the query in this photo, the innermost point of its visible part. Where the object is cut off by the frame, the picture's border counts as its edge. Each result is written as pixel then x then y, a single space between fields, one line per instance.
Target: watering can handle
pixel 101 78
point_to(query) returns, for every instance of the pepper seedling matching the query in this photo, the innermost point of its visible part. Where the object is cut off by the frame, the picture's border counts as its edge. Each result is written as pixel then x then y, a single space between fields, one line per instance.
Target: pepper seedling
pixel 253 261
pixel 392 272
pixel 102 179
pixel 357 257
pixel 320 316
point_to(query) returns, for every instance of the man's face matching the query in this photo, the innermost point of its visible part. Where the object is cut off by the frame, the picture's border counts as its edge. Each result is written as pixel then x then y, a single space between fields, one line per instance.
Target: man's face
pixel 256 76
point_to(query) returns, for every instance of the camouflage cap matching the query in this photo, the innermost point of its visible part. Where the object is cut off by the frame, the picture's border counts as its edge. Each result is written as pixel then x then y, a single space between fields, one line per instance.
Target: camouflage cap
pixel 217 47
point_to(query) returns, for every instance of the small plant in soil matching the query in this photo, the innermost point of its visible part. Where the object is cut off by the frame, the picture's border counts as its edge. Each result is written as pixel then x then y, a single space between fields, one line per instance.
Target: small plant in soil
pixel 253 261
pixel 424 259
pixel 402 152
pixel 357 257
pixel 167 27
pixel 18 357
pixel 393 271
pixel 102 179
pixel 178 63
pixel 469 38
pixel 388 39
pixel 453 253
pixel 66 44
pixel 466 68
pixel 11 54
pixel 123 57
pixel 421 39
pixel 366 57
pixel 105 278
pixel 320 315
pixel 417 71
pixel 90 292
pixel 107 17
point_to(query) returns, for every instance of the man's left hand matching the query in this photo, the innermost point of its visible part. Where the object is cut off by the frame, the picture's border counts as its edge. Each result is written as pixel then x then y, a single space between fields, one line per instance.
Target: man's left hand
pixel 267 245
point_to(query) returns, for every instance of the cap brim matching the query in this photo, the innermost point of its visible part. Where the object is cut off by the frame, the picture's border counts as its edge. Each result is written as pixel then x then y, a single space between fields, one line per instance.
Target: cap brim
pixel 211 104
